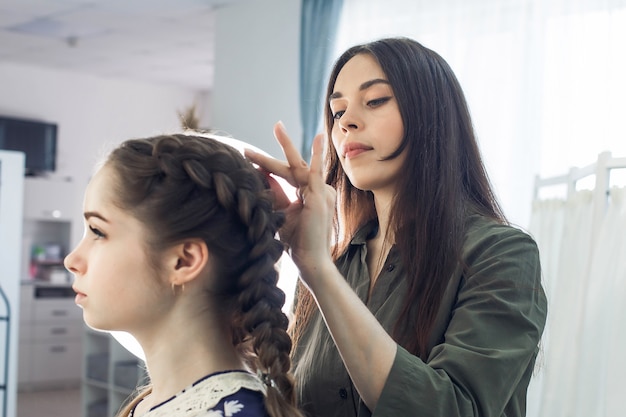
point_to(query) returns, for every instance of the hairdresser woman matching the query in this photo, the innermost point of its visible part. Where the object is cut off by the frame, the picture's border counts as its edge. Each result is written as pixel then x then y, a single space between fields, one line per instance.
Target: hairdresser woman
pixel 429 303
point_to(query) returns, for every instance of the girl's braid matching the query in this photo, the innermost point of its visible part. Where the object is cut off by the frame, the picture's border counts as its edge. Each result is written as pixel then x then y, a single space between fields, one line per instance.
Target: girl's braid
pixel 260 316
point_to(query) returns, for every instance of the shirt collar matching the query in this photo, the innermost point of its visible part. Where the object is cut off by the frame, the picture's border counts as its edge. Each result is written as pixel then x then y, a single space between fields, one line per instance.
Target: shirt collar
pixel 365 232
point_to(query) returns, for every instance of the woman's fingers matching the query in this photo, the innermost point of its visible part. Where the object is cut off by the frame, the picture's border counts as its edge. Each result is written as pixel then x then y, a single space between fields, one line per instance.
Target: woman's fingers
pixel 271 165
pixel 311 239
pixel 317 173
pixel 281 200
pixel 298 166
pixel 316 178
pixel 314 182
pixel 295 170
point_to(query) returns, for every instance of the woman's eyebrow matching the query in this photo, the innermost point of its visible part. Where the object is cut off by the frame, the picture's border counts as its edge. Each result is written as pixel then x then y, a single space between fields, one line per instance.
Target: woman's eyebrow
pixel 364 86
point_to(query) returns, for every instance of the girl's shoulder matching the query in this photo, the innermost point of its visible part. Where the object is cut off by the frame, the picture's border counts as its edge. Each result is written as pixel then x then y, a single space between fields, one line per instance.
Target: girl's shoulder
pixel 231 393
pixel 243 403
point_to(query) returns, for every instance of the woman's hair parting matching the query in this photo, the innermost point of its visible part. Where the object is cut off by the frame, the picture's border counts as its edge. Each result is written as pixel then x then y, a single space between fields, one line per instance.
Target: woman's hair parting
pixel 185 186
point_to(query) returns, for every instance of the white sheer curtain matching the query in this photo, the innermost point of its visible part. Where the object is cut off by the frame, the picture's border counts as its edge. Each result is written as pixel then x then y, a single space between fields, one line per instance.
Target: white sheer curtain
pixel 565 280
pixel 583 364
pixel 547 223
pixel 544 78
pixel 599 323
pixel 616 343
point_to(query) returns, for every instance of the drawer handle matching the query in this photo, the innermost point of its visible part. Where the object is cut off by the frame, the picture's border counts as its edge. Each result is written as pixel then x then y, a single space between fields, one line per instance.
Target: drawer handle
pixel 59 313
pixel 58 331
pixel 58 349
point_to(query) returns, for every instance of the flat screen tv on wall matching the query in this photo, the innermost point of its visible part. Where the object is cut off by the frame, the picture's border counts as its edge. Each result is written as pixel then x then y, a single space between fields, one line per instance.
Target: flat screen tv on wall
pixel 37 139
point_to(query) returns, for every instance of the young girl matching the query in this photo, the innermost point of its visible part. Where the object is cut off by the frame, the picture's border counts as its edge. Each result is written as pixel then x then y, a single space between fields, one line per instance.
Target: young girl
pixel 429 303
pixel 179 251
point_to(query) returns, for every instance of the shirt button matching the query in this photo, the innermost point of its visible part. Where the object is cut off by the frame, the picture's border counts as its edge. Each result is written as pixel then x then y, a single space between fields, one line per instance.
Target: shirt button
pixel 343 393
pixel 390 267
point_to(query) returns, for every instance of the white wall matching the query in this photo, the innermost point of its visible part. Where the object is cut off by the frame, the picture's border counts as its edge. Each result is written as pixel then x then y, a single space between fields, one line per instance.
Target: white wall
pixel 256 75
pixel 92 114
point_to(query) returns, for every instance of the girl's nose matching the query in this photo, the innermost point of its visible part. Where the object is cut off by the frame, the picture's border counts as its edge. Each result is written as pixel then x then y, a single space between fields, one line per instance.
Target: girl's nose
pixel 72 262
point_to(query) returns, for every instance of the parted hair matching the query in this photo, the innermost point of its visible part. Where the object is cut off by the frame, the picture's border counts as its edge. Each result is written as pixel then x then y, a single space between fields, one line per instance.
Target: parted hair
pixel 184 186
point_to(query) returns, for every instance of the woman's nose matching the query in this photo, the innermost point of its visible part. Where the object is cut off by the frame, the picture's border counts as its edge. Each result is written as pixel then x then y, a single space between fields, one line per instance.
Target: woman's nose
pixel 349 121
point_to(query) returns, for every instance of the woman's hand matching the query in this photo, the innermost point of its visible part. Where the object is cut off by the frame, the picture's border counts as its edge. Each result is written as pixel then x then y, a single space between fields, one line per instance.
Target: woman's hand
pixel 311 239
pixel 294 170
pixel 308 226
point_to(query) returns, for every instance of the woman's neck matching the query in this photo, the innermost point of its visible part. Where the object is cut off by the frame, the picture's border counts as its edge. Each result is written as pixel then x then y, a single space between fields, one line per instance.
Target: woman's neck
pixel 382 203
pixel 378 246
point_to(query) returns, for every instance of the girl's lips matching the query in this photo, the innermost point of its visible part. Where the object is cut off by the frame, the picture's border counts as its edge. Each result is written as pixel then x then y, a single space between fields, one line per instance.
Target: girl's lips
pixel 79 296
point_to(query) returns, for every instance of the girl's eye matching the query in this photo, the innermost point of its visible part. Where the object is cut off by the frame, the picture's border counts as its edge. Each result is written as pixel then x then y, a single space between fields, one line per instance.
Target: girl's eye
pixel 338 115
pixel 96 232
pixel 378 101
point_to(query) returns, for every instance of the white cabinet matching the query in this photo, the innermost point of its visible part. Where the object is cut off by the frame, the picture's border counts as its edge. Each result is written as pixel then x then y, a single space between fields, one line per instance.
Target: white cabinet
pixel 51 208
pixel 50 325
pixel 110 375
pixel 47 199
pixel 50 337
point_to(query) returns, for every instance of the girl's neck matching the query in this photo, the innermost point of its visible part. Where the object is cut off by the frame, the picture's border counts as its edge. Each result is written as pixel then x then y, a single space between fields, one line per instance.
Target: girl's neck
pixel 181 356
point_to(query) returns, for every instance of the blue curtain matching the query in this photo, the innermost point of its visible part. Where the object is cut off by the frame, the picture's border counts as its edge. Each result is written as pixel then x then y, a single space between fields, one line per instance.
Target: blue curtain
pixel 318 28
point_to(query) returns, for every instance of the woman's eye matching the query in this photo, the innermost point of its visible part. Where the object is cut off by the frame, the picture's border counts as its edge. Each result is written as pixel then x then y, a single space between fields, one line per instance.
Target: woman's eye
pixel 378 101
pixel 96 232
pixel 338 115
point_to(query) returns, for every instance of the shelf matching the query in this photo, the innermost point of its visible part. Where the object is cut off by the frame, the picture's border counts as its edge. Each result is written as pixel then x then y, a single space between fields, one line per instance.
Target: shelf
pixel 48 262
pixel 122 390
pixel 96 384
pixel 111 374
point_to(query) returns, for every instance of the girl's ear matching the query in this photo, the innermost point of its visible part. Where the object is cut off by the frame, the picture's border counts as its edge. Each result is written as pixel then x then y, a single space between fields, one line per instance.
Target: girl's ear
pixel 187 260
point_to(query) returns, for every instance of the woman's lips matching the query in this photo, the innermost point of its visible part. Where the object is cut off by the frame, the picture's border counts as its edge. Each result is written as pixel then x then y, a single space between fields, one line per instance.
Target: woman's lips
pixel 353 149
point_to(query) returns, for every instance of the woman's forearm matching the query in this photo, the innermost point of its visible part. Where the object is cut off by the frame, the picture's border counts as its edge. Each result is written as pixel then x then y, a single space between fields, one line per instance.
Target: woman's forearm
pixel 367 350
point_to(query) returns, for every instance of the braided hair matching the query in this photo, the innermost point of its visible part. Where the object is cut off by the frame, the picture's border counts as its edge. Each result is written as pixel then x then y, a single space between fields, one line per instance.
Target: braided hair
pixel 199 187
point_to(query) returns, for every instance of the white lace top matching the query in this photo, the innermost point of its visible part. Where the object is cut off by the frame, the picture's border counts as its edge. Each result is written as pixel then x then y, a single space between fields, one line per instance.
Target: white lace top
pixel 224 394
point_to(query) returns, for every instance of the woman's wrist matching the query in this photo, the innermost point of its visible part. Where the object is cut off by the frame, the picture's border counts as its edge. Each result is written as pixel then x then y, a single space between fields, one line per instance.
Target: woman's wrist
pixel 318 274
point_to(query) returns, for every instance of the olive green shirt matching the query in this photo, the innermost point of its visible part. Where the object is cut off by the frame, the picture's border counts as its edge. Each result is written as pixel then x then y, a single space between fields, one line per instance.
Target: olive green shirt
pixel 482 348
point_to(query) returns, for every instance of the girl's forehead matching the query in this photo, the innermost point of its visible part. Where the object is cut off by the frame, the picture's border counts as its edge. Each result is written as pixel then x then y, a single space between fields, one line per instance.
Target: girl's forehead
pixel 100 199
pixel 99 179
pixel 100 190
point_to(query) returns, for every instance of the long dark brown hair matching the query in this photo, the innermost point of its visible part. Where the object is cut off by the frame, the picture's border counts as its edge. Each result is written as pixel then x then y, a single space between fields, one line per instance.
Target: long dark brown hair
pixel 184 186
pixel 446 180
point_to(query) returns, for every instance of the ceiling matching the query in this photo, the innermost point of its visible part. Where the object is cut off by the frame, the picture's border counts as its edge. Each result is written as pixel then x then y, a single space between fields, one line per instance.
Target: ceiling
pixel 162 41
